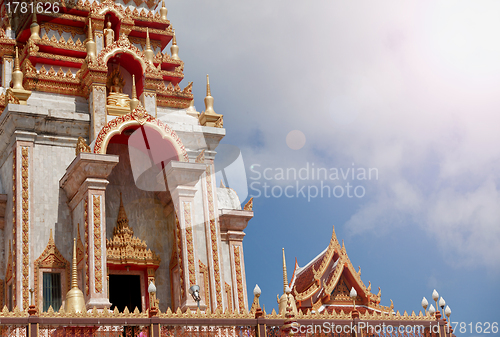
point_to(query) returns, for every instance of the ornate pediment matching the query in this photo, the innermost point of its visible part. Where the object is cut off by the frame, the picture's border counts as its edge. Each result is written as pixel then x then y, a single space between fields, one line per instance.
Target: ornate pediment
pixel 341 292
pixel 51 257
pixel 126 249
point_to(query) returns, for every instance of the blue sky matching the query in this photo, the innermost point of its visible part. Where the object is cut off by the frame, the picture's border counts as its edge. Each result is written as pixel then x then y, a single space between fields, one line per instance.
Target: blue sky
pixel 409 88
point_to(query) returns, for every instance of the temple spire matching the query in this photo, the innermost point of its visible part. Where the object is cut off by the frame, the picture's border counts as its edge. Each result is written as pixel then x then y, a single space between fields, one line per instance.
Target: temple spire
pixel 148 52
pixel 163 11
pixel 122 221
pixel 174 50
pixel 209 100
pixel 134 102
pixel 285 277
pixel 74 298
pixel 17 74
pixel 34 28
pixel 74 280
pixel 89 32
pixel 90 44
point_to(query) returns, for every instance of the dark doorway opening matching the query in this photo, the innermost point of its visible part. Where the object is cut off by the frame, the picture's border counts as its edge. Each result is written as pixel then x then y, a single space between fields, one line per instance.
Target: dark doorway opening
pixel 125 291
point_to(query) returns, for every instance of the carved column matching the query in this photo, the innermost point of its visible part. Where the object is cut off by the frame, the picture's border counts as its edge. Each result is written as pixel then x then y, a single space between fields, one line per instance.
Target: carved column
pixel 97 106
pixel 233 222
pixel 181 179
pixel 85 184
pixel 23 156
pixel 214 259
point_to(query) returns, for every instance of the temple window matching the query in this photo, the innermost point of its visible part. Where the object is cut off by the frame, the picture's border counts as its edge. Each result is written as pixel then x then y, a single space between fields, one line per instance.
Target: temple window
pixel 52 291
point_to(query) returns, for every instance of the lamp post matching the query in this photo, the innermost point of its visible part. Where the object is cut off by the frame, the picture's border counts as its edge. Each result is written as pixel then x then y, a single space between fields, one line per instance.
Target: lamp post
pixel 425 304
pixel 447 312
pixel 442 303
pixel 194 291
pixel 435 311
pixel 152 293
pixel 152 299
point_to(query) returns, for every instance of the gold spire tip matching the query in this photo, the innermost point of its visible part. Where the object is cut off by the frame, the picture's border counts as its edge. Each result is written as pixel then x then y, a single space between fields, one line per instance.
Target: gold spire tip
pixel 285 277
pixel 89 33
pixel 74 281
pixel 208 87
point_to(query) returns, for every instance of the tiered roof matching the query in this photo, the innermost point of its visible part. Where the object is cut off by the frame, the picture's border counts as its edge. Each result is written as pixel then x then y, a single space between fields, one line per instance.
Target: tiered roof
pixel 325 283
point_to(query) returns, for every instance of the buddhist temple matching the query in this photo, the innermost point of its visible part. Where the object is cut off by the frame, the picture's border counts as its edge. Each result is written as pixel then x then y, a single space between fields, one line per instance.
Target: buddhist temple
pixel 101 142
pixel 325 284
pixel 111 221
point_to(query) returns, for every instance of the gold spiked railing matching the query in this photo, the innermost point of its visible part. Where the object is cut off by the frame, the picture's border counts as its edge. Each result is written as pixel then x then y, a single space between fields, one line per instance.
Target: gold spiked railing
pixel 155 324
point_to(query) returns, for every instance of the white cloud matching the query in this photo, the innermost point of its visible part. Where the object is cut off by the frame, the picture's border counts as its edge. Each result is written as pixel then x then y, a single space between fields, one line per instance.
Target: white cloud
pixel 408 87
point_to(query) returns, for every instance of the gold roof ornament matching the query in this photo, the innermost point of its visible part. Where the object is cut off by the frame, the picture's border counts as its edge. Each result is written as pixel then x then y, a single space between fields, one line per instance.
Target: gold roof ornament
pixel 17 89
pixel 90 44
pixel 74 298
pixel 209 117
pixel 134 102
pixel 148 52
pixel 174 49
pixel 126 249
pixel 249 205
pixel 163 11
pixel 81 146
pixel 209 100
pixel 35 29
pixel 285 298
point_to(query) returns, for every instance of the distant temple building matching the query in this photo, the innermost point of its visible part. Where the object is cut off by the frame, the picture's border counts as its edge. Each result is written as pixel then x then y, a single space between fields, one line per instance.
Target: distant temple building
pixel 325 284
pixel 99 142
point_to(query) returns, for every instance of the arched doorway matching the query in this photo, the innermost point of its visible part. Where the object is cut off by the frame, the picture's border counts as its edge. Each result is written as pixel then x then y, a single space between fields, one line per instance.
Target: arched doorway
pixel 136 180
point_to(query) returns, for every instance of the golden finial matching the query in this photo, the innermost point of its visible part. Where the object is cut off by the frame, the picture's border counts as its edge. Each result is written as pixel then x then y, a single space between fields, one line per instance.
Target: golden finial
pixel 17 74
pixel 285 278
pixel 34 28
pixel 90 45
pixel 209 100
pixel 134 102
pixel 74 298
pixel 17 91
pixel 16 61
pixel 148 52
pixel 90 36
pixel 122 220
pixel 174 50
pixel 163 11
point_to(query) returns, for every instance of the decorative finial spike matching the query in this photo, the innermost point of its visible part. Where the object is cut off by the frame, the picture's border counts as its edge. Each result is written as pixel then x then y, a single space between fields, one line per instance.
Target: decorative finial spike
pixel 134 95
pixel 89 33
pixel 16 61
pixel 163 11
pixel 208 86
pixel 134 102
pixel 74 280
pixel 285 277
pixel 174 49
